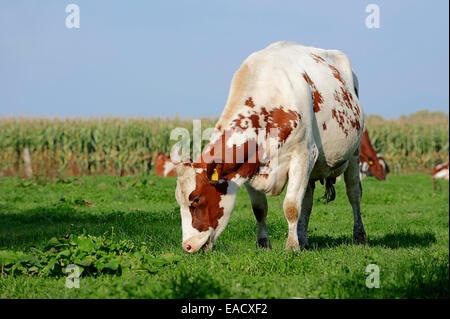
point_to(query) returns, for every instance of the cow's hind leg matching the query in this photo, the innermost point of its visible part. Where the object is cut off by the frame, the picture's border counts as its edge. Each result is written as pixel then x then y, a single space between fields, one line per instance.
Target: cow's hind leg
pixel 259 206
pixel 306 207
pixel 299 171
pixel 354 194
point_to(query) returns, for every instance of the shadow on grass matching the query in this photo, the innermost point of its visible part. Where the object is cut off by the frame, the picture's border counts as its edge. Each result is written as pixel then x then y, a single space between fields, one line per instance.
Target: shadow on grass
pixel 395 240
pixel 34 227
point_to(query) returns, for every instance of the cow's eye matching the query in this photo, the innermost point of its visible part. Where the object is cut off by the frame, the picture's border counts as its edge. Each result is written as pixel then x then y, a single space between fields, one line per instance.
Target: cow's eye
pixel 195 201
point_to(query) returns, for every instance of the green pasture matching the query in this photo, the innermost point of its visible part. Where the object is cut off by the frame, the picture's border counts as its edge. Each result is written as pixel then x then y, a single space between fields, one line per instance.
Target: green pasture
pixel 125 232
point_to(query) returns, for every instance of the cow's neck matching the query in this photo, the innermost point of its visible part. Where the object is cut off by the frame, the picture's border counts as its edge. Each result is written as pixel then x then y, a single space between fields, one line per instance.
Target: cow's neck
pixel 232 162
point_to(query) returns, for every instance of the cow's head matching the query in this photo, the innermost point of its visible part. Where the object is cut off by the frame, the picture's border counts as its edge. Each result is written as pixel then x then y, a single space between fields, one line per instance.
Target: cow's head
pixel 206 203
pixel 160 161
pixel 383 163
pixel 368 157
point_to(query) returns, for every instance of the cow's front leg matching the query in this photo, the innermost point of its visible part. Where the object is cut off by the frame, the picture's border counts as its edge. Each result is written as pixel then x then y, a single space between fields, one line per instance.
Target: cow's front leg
pixel 259 207
pixel 299 171
pixel 354 194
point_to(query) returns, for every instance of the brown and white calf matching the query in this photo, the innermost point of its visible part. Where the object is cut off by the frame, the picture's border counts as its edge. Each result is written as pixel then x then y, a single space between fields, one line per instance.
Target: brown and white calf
pixel 371 163
pixel 292 114
pixel 164 167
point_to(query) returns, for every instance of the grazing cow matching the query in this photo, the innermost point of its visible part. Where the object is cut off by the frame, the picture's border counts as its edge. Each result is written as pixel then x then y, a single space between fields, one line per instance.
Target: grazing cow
pixel 164 166
pixel 440 171
pixel 371 163
pixel 292 114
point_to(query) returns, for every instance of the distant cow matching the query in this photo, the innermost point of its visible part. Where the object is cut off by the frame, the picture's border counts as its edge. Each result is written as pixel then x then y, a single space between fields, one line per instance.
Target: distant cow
pixel 371 163
pixel 303 102
pixel 164 167
pixel 383 163
pixel 440 171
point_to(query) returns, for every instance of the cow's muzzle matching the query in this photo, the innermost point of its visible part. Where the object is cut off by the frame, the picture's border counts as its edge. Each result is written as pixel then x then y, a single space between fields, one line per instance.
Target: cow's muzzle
pixel 193 245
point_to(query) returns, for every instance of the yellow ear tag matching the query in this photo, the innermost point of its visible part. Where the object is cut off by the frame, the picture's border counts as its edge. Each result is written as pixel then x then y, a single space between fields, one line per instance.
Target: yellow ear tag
pixel 370 162
pixel 215 176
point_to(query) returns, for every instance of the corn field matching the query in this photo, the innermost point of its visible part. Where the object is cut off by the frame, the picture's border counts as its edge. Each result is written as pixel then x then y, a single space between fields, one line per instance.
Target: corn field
pixel 74 147
pixel 414 143
pixel 124 146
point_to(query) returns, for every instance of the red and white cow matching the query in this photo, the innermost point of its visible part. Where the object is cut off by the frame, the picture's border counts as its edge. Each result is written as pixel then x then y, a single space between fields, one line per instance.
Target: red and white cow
pixel 164 167
pixel 371 163
pixel 440 171
pixel 383 163
pixel 292 114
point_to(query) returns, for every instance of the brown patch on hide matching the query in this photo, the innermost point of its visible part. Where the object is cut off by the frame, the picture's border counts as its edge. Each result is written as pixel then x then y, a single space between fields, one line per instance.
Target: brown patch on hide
pixel 338 115
pixel 337 74
pixel 291 213
pixel 317 58
pixel 249 102
pixel 317 97
pixel 348 116
pixel 284 121
pixel 240 160
pixel 245 158
pixel 205 203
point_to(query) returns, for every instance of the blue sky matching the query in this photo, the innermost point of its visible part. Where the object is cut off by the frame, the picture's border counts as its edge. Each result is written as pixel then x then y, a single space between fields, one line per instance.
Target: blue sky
pixel 162 58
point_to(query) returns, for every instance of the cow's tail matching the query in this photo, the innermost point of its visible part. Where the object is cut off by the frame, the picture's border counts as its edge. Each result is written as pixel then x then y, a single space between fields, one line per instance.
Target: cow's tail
pixel 355 83
pixel 356 87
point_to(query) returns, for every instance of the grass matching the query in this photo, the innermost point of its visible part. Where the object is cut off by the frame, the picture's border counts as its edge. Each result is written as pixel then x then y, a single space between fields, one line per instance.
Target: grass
pixel 406 221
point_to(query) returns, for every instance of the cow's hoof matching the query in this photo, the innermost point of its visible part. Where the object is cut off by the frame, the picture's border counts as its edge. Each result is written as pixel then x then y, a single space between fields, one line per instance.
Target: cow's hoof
pixel 304 246
pixel 303 243
pixel 264 243
pixel 360 238
pixel 291 244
